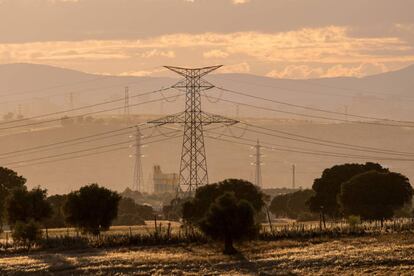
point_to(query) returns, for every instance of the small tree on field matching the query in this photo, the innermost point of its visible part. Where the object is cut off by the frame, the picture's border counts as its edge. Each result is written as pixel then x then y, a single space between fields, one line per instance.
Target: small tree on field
pixel 57 219
pixel 9 180
pixel 293 205
pixel 131 213
pixel 27 233
pixel 328 186
pixel 195 210
pixel 24 206
pixel 374 195
pixel 26 210
pixel 229 220
pixel 91 209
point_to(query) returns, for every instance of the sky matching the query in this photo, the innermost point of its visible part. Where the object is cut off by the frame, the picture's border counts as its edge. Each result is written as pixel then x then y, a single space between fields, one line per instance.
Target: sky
pixel 275 38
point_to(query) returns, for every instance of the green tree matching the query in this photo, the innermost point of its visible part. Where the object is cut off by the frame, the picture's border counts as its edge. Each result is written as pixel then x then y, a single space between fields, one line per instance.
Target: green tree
pixel 27 233
pixel 131 213
pixel 24 206
pixel 293 205
pixel 229 219
pixel 195 209
pixel 375 195
pixel 9 180
pixel 328 186
pixel 91 209
pixel 57 219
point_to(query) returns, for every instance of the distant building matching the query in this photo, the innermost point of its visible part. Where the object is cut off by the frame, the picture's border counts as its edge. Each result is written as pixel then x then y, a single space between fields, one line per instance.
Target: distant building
pixel 164 182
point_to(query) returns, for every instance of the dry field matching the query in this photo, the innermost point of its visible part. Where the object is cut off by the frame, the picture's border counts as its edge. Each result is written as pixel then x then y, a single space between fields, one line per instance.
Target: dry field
pixel 385 254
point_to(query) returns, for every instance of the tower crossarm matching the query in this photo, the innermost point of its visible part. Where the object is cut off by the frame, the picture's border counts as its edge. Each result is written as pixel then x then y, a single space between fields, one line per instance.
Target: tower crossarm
pixel 196 72
pixel 178 118
pixel 208 118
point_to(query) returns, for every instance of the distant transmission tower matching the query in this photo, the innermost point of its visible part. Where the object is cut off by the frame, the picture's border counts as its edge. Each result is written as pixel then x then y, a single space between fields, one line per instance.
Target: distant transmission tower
pixel 258 164
pixel 193 167
pixel 126 103
pixel 138 181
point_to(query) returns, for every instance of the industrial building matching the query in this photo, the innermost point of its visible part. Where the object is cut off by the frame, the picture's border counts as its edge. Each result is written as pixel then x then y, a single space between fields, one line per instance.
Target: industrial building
pixel 164 182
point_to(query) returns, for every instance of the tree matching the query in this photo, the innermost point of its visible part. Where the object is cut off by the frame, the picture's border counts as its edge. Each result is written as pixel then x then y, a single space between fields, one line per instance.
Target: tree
pixel 9 180
pixel 375 195
pixel 26 210
pixel 24 206
pixel 27 233
pixel 195 209
pixel 293 205
pixel 328 186
pixel 131 213
pixel 229 219
pixel 57 219
pixel 174 210
pixel 91 209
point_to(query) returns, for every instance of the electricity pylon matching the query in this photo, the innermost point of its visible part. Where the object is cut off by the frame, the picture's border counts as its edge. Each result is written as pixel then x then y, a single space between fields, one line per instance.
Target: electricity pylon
pixel 258 164
pixel 138 181
pixel 193 167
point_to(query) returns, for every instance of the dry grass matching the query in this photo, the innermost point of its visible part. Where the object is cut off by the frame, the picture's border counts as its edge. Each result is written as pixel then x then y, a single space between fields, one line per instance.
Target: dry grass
pixel 383 254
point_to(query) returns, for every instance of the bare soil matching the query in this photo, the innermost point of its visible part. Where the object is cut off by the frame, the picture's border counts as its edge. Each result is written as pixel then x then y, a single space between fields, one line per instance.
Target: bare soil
pixel 391 254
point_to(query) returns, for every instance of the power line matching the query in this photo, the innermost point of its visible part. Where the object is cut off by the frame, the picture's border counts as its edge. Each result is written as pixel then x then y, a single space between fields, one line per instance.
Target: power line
pixel 320 141
pixel 311 108
pixel 48 148
pixel 310 116
pixel 81 142
pixel 68 153
pixel 312 92
pixel 273 146
pixel 126 105
pixel 66 141
pixel 314 153
pixel 84 114
pixel 95 153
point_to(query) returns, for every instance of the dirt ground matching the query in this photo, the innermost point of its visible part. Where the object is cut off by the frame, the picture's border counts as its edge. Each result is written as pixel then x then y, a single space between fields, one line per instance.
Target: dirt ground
pixel 386 254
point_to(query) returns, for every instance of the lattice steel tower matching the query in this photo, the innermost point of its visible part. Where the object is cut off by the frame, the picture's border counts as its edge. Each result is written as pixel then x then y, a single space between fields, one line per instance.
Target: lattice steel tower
pixel 258 164
pixel 138 181
pixel 193 167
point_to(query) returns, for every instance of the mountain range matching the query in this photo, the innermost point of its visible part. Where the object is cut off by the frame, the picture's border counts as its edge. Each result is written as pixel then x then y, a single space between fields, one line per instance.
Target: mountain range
pixel 33 89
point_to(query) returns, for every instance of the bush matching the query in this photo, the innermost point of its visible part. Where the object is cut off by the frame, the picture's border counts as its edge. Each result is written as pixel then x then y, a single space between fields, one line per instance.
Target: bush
pixel 354 221
pixel 91 209
pixel 374 195
pixel 230 220
pixel 23 206
pixel 194 210
pixel 27 233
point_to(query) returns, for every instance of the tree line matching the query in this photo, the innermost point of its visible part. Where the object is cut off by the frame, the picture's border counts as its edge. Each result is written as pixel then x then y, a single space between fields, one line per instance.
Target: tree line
pixel 368 191
pixel 91 209
pixel 229 211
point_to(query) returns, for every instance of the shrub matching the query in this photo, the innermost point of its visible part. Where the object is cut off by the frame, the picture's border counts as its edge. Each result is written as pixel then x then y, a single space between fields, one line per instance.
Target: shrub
pixel 195 210
pixel 230 220
pixel 91 209
pixel 354 221
pixel 27 233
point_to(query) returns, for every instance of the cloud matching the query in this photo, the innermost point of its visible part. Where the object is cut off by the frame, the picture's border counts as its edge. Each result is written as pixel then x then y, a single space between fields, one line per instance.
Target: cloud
pixel 243 67
pixel 236 2
pixel 304 53
pixel 215 54
pixel 339 70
